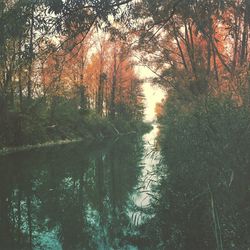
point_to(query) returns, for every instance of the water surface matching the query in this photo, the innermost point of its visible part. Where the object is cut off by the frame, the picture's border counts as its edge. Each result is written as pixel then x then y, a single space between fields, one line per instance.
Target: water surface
pixel 75 196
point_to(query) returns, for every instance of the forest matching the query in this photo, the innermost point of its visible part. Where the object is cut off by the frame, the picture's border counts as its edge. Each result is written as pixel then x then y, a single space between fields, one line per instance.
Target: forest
pixel 69 71
pixel 63 74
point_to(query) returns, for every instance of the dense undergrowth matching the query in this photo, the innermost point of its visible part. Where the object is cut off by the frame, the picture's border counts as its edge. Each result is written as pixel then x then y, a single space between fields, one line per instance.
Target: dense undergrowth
pixel 202 200
pixel 65 122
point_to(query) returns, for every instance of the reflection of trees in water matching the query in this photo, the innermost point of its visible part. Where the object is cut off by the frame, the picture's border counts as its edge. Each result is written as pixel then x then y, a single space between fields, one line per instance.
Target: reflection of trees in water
pixel 71 194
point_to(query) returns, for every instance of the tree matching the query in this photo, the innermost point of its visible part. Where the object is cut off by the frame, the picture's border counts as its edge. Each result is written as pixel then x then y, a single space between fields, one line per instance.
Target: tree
pixel 196 45
pixel 30 41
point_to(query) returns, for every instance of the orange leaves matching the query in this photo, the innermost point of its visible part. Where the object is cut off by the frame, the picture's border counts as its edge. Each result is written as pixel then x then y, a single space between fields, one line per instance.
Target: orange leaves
pixel 65 67
pixel 159 109
pixel 103 67
pixel 208 51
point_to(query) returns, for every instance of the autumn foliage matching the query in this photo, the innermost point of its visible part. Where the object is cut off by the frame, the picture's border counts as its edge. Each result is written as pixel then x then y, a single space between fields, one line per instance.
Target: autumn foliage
pixel 100 72
pixel 203 48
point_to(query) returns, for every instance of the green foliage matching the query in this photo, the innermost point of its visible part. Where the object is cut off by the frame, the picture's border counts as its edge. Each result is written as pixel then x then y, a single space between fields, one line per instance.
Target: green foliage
pixel 61 119
pixel 99 127
pixel 203 194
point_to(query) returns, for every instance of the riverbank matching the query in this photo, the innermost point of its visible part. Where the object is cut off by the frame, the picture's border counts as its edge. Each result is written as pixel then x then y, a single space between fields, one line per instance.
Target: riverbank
pixel 9 150
pixel 106 131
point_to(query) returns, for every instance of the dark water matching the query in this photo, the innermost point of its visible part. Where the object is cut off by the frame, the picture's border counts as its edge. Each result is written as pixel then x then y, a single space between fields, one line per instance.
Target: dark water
pixel 73 196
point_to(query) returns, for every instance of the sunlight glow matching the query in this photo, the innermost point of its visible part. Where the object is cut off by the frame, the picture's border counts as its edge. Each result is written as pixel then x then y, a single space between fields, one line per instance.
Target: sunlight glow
pixel 153 93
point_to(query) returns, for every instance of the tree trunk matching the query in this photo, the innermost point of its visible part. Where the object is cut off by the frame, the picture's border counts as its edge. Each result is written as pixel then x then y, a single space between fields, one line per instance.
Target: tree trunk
pixel 29 84
pixel 244 44
pixel 113 89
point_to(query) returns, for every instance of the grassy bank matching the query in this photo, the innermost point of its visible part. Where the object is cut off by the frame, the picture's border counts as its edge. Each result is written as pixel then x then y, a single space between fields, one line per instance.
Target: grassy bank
pixel 92 128
pixel 9 150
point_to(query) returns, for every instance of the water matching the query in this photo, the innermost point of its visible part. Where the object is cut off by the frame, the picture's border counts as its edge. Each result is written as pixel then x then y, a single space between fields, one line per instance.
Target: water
pixel 148 177
pixel 76 196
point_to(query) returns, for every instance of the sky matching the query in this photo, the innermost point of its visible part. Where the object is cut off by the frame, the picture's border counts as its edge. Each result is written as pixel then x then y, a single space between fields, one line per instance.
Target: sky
pixel 153 93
